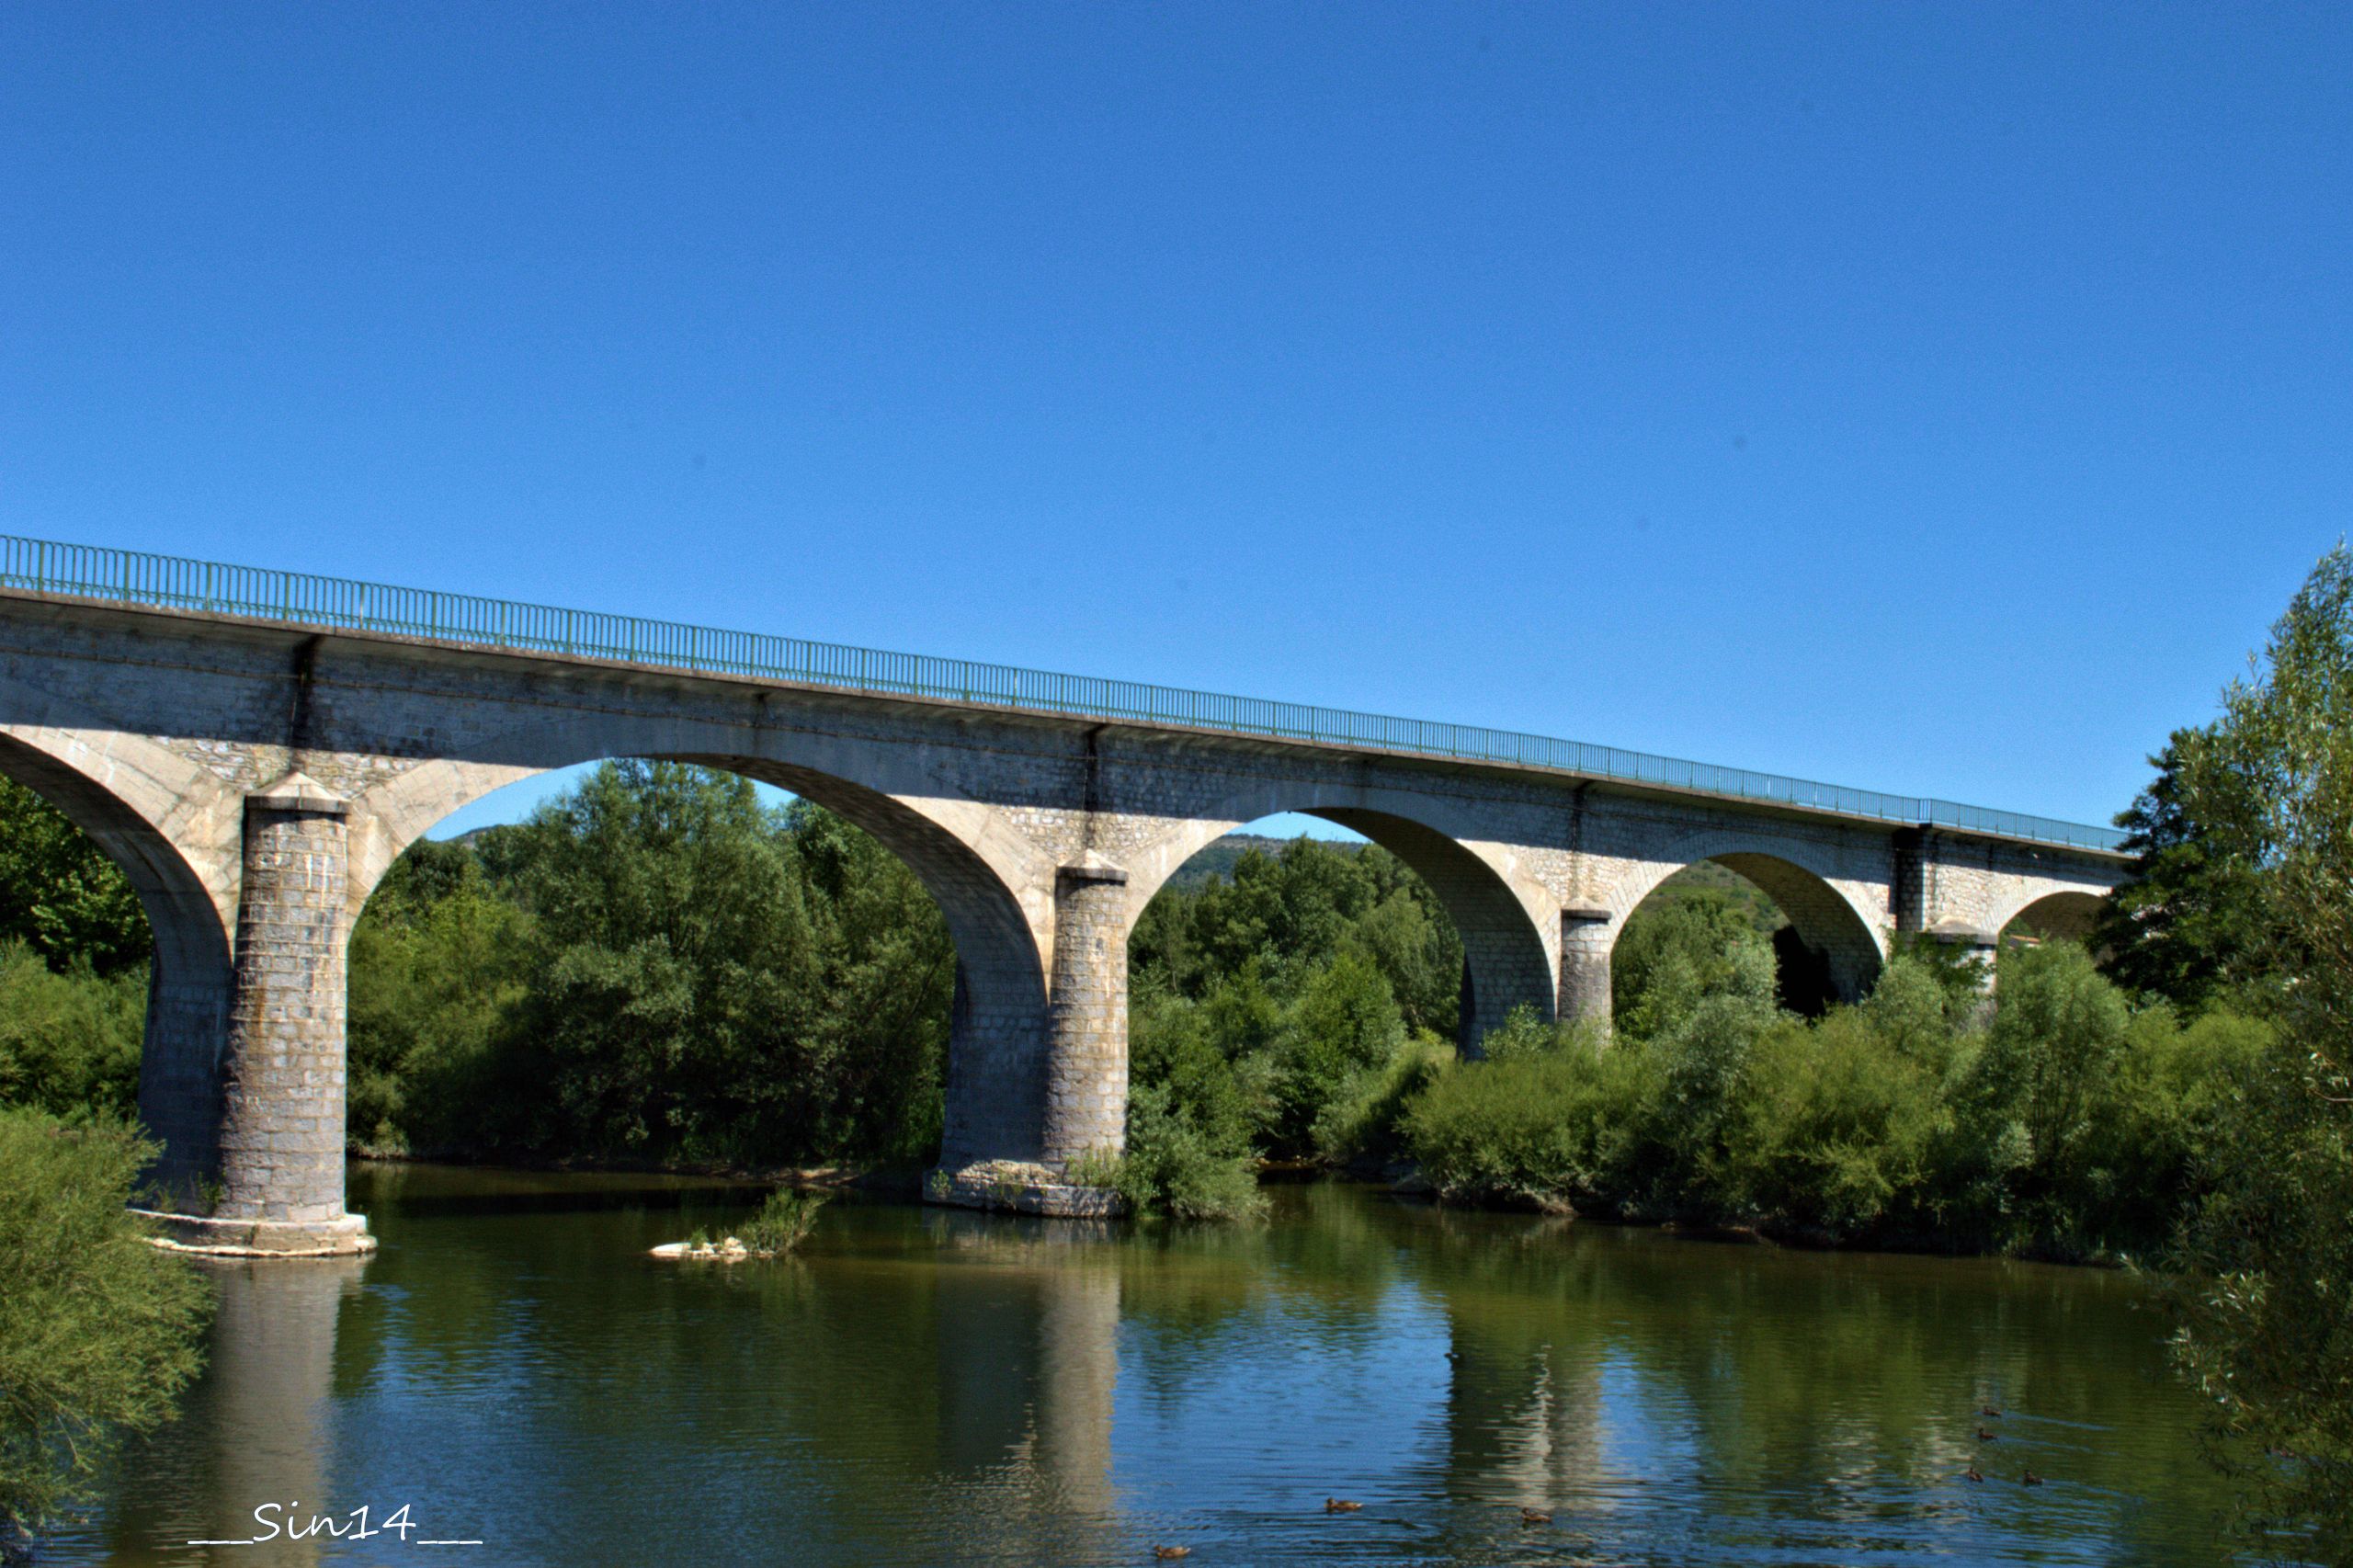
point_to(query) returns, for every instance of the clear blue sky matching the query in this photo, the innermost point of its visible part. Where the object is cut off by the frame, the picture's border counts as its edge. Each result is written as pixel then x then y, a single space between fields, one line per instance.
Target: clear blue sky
pixel 1940 399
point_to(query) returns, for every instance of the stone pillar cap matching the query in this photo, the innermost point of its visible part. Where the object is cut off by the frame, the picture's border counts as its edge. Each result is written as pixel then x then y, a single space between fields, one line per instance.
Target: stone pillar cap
pixel 1956 929
pixel 298 791
pixel 1091 867
pixel 1586 912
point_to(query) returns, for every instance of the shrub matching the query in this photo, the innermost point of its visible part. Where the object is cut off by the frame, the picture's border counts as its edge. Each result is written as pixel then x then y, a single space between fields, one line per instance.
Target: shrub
pixel 1679 1155
pixel 1547 1126
pixel 1522 1033
pixel 1172 1168
pixel 69 1041
pixel 1834 1125
pixel 783 1223
pixel 1177 1045
pixel 2157 1122
pixel 2027 1096
pixel 98 1330
pixel 1363 1120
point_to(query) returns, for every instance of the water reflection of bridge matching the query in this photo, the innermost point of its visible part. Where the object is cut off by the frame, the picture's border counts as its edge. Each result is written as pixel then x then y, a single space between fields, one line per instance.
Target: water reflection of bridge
pixel 263 1409
pixel 979 1388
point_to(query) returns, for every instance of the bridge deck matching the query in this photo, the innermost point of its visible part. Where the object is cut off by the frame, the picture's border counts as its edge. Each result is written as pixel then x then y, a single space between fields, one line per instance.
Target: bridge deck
pixel 118 577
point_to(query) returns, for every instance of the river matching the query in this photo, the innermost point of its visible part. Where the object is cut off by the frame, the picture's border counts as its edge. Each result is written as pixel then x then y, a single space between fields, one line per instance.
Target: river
pixel 934 1387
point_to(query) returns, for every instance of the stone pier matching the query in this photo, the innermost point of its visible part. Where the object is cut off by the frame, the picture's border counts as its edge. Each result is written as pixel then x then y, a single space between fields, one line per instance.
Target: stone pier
pixel 281 1138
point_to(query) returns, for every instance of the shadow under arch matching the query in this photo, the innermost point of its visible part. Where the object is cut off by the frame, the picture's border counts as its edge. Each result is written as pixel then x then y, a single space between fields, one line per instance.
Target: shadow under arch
pixel 1505 963
pixel 995 1089
pixel 1834 933
pixel 188 979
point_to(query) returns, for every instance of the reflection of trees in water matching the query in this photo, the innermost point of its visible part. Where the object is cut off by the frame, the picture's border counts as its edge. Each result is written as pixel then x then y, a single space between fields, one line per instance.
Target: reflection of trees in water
pixel 1194 1291
pixel 938 1385
pixel 1798 1384
pixel 898 1396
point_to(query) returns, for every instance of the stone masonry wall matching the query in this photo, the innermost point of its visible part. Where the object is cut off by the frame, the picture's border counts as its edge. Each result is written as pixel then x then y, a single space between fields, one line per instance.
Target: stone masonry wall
pixel 1086 1030
pixel 282 1121
pixel 179 1076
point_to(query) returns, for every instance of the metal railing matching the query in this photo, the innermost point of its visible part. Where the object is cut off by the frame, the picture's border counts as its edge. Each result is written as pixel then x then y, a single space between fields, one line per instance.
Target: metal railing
pixel 173 582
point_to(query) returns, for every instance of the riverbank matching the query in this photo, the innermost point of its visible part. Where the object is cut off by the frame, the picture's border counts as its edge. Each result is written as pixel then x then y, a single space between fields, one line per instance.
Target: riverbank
pixel 1399 1181
pixel 894 1182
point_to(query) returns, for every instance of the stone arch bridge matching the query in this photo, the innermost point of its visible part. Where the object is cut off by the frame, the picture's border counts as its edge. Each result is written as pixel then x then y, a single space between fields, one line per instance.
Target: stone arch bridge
pixel 255 748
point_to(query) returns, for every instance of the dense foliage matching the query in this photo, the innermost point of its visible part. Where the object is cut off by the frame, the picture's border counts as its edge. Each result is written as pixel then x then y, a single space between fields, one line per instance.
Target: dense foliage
pixel 73 966
pixel 1271 1013
pixel 2186 926
pixel 2068 1124
pixel 2266 1288
pixel 60 895
pixel 654 967
pixel 98 1330
pixel 69 1041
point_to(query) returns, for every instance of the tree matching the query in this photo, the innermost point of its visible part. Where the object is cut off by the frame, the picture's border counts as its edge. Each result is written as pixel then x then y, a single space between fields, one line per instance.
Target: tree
pixel 2184 925
pixel 98 1330
pixel 655 967
pixel 1673 956
pixel 441 968
pixel 69 1042
pixel 671 1015
pixel 2265 1291
pixel 2031 1099
pixel 60 893
pixel 1345 1022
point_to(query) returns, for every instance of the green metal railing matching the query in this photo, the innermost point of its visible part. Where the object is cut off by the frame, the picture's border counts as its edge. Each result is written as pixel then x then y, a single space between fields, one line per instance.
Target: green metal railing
pixel 173 582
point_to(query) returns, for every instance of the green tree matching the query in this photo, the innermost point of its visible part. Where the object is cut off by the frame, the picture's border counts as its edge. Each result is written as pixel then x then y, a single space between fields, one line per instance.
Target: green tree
pixel 654 967
pixel 98 1330
pixel 885 975
pixel 2055 1042
pixel 441 969
pixel 60 894
pixel 2266 1289
pixel 1673 956
pixel 2185 925
pixel 69 1042
pixel 1834 1124
pixel 668 1020
pixel 1345 1023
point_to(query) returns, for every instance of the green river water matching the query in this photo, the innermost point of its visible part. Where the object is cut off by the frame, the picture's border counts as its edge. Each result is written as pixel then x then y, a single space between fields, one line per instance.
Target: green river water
pixel 925 1386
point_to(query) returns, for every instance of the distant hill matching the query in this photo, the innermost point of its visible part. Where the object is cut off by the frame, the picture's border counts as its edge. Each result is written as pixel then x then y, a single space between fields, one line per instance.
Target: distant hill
pixel 1215 863
pixel 1704 877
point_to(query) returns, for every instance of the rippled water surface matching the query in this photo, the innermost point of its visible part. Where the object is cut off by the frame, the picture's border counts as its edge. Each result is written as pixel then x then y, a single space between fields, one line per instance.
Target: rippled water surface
pixel 931 1387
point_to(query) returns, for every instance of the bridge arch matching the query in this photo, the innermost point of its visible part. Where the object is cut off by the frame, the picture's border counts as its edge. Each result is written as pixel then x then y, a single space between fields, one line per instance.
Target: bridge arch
pixel 2053 910
pixel 993 891
pixel 1829 915
pixel 1503 916
pixel 161 820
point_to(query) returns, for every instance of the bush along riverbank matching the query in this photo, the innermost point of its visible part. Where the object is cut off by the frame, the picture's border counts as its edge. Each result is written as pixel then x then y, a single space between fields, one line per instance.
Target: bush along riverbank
pixel 2069 1122
pixel 2067 1125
